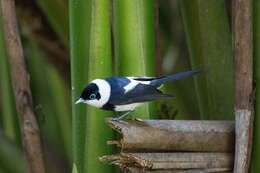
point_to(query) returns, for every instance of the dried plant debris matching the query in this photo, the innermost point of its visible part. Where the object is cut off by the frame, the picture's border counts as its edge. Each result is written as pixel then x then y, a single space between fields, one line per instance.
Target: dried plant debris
pixel 207 162
pixel 137 170
pixel 174 135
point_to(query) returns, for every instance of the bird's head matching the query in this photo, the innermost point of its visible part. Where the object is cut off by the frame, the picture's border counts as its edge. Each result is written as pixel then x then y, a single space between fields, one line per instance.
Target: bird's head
pixel 96 93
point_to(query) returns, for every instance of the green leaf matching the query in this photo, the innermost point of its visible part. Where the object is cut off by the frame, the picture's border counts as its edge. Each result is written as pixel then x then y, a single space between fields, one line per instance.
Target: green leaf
pixel 8 109
pixel 80 18
pixel 255 166
pixel 100 66
pixel 135 41
pixel 58 97
pixel 56 12
pixel 209 41
pixel 11 158
pixel 50 102
pixel 74 169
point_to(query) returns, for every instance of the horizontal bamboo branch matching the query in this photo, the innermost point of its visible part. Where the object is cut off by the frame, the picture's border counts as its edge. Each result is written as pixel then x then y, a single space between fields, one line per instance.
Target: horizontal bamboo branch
pixel 216 162
pixel 139 170
pixel 174 135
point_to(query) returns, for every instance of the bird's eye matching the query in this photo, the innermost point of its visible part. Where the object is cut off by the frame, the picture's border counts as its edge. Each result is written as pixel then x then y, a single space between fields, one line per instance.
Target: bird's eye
pixel 92 96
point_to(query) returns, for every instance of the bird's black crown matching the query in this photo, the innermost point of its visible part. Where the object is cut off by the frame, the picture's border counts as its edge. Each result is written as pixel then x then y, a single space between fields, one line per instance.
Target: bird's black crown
pixel 91 92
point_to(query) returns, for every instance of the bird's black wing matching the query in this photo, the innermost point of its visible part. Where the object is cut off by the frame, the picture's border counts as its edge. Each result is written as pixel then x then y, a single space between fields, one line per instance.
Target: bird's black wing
pixel 141 93
pixel 181 75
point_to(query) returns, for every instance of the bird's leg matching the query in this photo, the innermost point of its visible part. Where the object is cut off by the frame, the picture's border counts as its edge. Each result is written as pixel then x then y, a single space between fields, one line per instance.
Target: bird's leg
pixel 121 116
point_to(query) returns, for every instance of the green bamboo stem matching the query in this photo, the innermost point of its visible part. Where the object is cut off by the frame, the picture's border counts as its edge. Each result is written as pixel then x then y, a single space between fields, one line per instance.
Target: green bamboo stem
pixel 9 118
pixel 57 14
pixel 79 14
pixel 135 41
pixel 11 158
pixel 100 66
pixel 209 41
pixel 255 167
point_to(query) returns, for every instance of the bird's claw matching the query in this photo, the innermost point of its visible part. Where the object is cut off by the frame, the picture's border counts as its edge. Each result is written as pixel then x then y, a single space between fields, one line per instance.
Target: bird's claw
pixel 121 117
pixel 116 119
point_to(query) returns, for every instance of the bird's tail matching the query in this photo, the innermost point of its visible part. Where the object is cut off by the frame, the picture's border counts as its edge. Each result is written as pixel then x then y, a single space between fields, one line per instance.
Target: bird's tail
pixel 161 80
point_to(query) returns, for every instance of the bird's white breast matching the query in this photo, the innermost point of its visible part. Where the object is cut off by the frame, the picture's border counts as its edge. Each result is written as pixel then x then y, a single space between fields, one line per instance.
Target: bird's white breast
pixel 128 107
pixel 104 91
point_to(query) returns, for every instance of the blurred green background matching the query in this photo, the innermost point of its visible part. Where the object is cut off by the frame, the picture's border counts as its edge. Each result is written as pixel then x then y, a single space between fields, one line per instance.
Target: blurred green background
pixel 69 43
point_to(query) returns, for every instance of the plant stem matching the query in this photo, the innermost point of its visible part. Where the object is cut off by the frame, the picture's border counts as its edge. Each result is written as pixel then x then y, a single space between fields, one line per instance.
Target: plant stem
pixel 100 66
pixel 24 104
pixel 255 166
pixel 79 13
pixel 242 25
pixel 9 117
pixel 135 41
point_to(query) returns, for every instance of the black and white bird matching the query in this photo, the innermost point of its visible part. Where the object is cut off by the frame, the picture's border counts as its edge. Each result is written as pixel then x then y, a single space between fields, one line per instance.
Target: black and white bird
pixel 124 94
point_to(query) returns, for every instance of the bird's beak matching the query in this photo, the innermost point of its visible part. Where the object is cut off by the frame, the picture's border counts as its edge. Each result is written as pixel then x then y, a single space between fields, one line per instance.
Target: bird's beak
pixel 80 100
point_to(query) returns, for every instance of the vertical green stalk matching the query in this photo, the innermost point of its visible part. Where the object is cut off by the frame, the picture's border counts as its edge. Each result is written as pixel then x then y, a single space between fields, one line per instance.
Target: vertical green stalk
pixel 100 66
pixel 135 40
pixel 255 166
pixel 9 118
pixel 57 14
pixel 209 41
pixel 79 14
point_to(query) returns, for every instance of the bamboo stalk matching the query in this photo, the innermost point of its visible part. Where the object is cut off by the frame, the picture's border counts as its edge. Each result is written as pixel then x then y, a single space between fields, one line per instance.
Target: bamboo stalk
pixel 158 58
pixel 135 42
pixel 243 51
pixel 174 135
pixel 169 161
pixel 20 81
pixel 80 18
pixel 100 66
